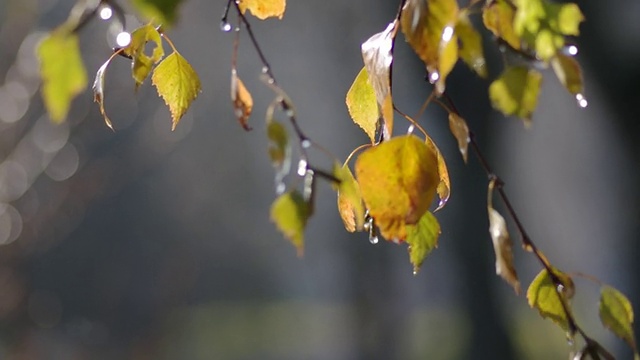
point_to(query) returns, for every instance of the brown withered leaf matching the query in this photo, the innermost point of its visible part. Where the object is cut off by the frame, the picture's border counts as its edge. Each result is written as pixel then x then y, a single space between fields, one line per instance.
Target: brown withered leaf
pixel 242 100
pixel 460 131
pixel 502 244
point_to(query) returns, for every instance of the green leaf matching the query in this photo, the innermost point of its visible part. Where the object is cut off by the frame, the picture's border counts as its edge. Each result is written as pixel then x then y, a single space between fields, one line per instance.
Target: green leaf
pixel 516 91
pixel 542 295
pixel 141 62
pixel 362 104
pixel 62 70
pixel 422 238
pixel 568 72
pixel 429 27
pixel 498 18
pixel 470 45
pixel 398 181
pixel 350 205
pixel 263 9
pixel 616 314
pixel 98 91
pixel 177 83
pixel 290 214
pixel 159 11
pixel 502 244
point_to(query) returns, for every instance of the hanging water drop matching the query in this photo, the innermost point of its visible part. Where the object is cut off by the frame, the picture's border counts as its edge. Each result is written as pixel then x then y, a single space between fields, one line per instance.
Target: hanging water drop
pixel 302 167
pixel 106 12
pixel 265 69
pixel 433 77
pixel 123 39
pixel 373 239
pixel 280 188
pixel 582 101
pixel 305 144
pixel 225 26
pixel 570 50
pixel 410 129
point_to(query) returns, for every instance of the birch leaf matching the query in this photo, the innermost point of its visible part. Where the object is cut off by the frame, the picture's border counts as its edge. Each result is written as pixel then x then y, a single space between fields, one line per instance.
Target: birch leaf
pixel 362 104
pixel 350 205
pixel 616 314
pixel 422 239
pixel 263 9
pixel 98 91
pixel 516 92
pixel 290 214
pixel 242 101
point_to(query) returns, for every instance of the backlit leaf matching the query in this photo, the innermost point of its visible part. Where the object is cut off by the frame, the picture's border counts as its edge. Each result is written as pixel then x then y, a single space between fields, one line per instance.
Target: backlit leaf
pixel 398 180
pixel 263 9
pixel 498 18
pixel 460 131
pixel 290 214
pixel 376 53
pixel 98 91
pixel 516 91
pixel 422 238
pixel 362 104
pixel 444 184
pixel 350 205
pixel 62 70
pixel 429 27
pixel 470 45
pixel 502 244
pixel 177 83
pixel 279 152
pixel 568 72
pixel 159 11
pixel 542 295
pixel 242 101
pixel 616 314
pixel 141 62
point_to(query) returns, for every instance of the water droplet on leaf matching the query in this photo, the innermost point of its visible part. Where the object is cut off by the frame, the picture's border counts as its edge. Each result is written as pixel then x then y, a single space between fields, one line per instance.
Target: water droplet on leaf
pixel 433 77
pixel 225 26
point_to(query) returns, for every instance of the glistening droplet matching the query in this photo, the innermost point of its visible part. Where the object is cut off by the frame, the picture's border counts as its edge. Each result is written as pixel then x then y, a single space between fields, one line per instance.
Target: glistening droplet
pixel 225 26
pixel 582 101
pixel 373 239
pixel 302 167
pixel 106 12
pixel 433 77
pixel 123 39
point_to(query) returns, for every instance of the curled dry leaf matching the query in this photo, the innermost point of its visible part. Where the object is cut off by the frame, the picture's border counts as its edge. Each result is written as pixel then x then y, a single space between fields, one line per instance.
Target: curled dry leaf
pixel 460 131
pixel 376 53
pixel 177 83
pixel 444 185
pixel 263 9
pixel 98 91
pixel 398 180
pixel 502 244
pixel 242 100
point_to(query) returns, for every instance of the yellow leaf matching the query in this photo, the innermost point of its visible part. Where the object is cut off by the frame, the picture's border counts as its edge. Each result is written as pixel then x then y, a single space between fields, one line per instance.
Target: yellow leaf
pixel 263 9
pixel 177 83
pixel 141 62
pixel 398 181
pixel 242 101
pixel 376 53
pixel 429 27
pixel 350 205
pixel 568 72
pixel 362 104
pixel 444 185
pixel 498 18
pixel 502 244
pixel 616 314
pixel 422 238
pixel 543 296
pixel 62 70
pixel 470 45
pixel 516 91
pixel 161 12
pixel 98 91
pixel 460 131
pixel 290 214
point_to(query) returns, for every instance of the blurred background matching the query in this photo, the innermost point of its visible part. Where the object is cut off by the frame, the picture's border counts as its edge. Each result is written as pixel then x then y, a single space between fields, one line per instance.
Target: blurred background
pixel 149 244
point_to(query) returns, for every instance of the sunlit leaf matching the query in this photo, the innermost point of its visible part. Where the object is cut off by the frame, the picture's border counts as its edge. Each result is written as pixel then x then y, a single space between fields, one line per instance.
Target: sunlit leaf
pixel 568 72
pixel 470 45
pixel 460 131
pixel 543 25
pixel 398 181
pixel 62 70
pixel 502 245
pixel 263 9
pixel 376 53
pixel 444 184
pixel 163 12
pixel 498 18
pixel 350 205
pixel 616 314
pixel 516 91
pixel 422 238
pixel 142 64
pixel 362 104
pixel 543 296
pixel 290 214
pixel 242 101
pixel 177 83
pixel 429 27
pixel 98 91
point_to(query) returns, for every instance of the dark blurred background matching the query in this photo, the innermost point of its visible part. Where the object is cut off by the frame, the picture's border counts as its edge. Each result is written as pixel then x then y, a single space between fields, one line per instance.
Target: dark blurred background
pixel 149 244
